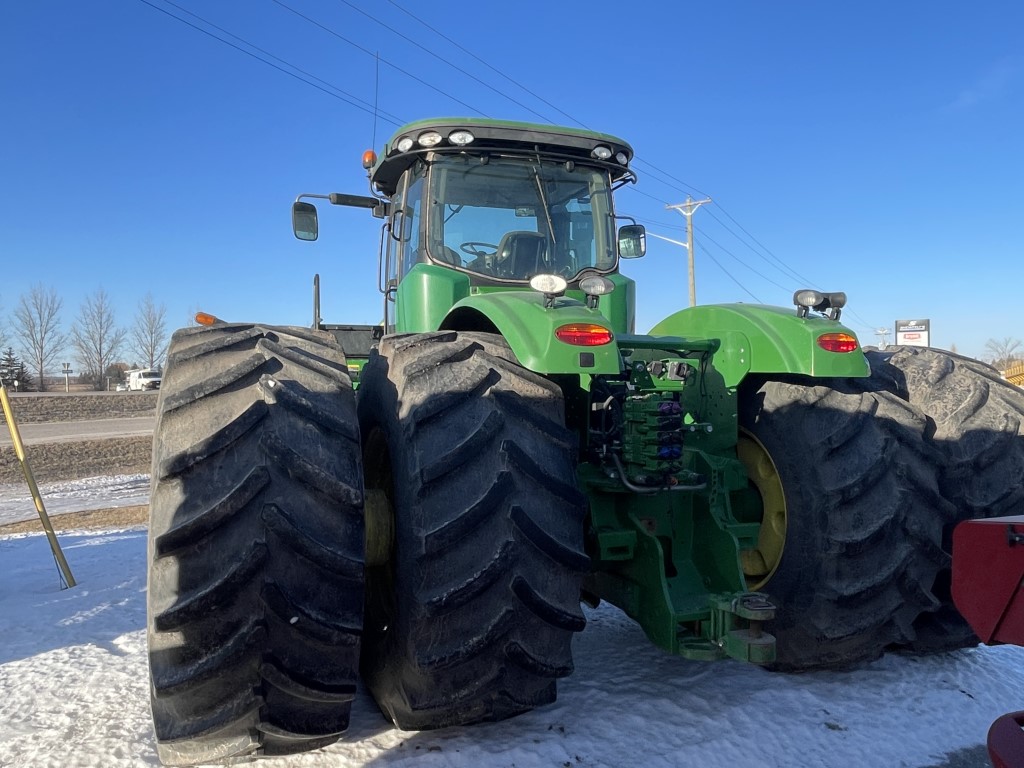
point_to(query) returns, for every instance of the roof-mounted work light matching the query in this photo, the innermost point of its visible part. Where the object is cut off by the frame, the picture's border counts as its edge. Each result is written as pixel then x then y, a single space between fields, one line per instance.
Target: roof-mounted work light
pixel 829 304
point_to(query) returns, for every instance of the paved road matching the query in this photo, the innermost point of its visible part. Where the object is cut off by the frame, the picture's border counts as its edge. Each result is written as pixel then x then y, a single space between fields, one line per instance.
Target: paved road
pixel 71 431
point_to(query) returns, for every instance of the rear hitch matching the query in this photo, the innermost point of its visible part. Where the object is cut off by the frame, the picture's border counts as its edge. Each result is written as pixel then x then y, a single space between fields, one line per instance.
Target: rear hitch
pixel 735 629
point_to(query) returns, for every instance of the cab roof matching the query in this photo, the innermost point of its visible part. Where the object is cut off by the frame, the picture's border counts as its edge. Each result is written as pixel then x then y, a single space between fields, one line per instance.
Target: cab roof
pixel 405 146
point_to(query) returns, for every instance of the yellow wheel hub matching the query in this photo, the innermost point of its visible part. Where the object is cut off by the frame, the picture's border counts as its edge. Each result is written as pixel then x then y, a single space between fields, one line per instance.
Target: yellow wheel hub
pixel 760 563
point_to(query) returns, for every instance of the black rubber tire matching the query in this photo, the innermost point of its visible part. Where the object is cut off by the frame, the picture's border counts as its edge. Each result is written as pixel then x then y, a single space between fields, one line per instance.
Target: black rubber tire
pixel 978 424
pixel 976 419
pixel 255 544
pixel 473 615
pixel 860 555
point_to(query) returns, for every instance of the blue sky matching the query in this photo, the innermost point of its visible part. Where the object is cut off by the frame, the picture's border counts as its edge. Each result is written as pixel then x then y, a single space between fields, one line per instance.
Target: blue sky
pixel 874 148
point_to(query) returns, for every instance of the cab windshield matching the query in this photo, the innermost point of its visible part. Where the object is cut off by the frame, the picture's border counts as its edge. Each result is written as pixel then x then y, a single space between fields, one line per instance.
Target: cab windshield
pixel 512 218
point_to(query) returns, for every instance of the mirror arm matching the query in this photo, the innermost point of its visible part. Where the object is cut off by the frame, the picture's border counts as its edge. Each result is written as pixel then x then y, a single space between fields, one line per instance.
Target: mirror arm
pixel 378 206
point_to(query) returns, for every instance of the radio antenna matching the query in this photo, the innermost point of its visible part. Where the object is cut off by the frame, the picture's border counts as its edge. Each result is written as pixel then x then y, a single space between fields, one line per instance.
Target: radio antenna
pixel 376 93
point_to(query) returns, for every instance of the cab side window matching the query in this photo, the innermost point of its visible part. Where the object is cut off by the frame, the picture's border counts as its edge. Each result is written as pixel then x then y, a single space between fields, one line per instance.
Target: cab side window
pixel 411 225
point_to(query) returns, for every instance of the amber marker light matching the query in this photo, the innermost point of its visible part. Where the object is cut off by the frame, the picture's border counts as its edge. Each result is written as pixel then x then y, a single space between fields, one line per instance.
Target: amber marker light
pixel 583 334
pixel 369 159
pixel 206 319
pixel 838 342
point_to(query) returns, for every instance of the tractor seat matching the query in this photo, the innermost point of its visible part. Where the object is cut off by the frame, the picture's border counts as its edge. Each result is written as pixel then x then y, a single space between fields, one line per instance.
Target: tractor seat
pixel 521 254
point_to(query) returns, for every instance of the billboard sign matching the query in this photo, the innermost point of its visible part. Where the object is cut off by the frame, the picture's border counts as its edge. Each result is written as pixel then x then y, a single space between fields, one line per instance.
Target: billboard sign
pixel 913 333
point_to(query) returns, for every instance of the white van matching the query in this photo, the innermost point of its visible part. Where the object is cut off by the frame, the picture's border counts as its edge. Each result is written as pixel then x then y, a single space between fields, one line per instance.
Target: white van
pixel 143 379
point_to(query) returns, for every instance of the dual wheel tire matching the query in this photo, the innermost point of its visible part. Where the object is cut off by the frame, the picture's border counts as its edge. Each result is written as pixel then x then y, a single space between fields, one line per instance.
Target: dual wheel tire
pixel 257 529
pixel 474 600
pixel 255 595
pixel 976 422
pixel 861 507
pixel 876 473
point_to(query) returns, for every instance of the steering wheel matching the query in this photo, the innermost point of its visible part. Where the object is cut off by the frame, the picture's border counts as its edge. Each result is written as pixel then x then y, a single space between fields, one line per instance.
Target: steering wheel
pixel 473 248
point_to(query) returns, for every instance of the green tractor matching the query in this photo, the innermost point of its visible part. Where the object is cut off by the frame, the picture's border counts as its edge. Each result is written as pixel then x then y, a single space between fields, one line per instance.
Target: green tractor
pixel 425 503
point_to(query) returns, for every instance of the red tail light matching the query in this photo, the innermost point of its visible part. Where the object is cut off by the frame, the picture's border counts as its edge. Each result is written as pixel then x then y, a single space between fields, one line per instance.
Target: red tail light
pixel 583 334
pixel 838 342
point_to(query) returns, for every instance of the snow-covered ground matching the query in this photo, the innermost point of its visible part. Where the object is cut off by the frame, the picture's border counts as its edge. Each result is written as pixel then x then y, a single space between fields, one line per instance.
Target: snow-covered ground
pixel 73 496
pixel 73 692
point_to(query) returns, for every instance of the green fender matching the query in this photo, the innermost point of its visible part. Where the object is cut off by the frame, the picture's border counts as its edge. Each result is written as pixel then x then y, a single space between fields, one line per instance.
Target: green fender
pixel 425 295
pixel 529 328
pixel 762 339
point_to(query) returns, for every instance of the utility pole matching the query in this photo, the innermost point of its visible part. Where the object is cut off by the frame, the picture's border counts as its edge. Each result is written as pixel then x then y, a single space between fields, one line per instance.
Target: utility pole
pixel 687 209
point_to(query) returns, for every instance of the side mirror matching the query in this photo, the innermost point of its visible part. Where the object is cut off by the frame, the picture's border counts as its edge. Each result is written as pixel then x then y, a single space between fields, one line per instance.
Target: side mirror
pixel 632 241
pixel 304 223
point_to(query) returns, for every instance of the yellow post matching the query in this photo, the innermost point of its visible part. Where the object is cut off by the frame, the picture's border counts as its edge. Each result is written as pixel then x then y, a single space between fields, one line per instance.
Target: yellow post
pixel 19 449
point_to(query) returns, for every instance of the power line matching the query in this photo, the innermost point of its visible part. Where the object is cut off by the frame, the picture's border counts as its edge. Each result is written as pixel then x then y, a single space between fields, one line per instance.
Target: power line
pixel 368 52
pixel 707 237
pixel 444 60
pixel 779 261
pixel 264 61
pixel 493 69
pixel 659 171
pixel 781 266
pixel 729 275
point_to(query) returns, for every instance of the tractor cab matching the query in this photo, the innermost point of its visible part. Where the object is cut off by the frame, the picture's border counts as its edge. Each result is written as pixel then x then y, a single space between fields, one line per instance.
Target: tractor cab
pixel 497 205
pixel 502 220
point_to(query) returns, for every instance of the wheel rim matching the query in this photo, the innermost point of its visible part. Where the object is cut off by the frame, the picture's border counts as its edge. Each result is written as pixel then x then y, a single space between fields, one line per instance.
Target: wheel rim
pixel 760 563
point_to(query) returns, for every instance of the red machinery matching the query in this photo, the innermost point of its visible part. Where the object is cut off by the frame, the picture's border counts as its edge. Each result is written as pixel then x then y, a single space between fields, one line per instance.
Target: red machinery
pixel 988 568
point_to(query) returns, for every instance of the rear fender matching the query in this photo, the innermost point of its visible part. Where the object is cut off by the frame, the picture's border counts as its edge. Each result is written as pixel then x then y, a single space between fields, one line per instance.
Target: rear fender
pixel 765 340
pixel 529 328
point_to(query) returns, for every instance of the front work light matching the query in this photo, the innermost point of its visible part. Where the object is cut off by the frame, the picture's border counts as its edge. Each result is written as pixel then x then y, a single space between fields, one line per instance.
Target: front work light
pixel 596 286
pixel 552 286
pixel 549 284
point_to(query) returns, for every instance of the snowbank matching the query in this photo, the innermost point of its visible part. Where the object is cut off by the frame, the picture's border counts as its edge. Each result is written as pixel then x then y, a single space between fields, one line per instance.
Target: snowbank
pixel 16 502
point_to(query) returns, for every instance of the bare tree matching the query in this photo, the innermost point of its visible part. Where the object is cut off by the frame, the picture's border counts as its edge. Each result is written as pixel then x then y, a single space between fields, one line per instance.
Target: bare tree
pixel 149 334
pixel 95 336
pixel 1003 353
pixel 37 328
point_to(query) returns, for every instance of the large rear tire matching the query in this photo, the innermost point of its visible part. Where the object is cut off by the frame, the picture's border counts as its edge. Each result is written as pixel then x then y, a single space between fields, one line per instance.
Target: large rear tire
pixel 976 419
pixel 472 606
pixel 859 555
pixel 978 423
pixel 255 544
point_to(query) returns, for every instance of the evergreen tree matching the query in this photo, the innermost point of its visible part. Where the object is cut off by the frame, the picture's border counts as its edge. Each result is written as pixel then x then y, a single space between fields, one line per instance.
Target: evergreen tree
pixel 14 373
